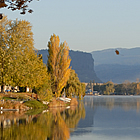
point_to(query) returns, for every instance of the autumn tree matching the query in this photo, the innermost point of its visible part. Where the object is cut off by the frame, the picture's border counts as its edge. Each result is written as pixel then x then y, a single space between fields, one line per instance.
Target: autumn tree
pixel 5 53
pixel 19 63
pixel 21 46
pixel 28 69
pixel 43 81
pixel 12 45
pixel 58 64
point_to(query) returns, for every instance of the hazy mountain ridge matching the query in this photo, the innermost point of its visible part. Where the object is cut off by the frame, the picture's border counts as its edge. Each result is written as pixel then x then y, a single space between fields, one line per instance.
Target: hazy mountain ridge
pixel 126 56
pixel 117 73
pixel 81 62
pixel 117 68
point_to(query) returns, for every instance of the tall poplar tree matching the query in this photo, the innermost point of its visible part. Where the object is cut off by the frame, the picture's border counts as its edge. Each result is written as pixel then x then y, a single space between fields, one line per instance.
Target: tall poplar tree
pixel 58 64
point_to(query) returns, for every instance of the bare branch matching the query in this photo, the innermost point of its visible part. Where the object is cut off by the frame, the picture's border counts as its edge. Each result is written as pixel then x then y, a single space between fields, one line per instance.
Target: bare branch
pixel 21 5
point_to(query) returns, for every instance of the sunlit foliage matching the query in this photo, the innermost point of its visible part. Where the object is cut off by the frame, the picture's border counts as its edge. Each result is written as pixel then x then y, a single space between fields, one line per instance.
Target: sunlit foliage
pixel 58 64
pixel 19 63
pixel 5 54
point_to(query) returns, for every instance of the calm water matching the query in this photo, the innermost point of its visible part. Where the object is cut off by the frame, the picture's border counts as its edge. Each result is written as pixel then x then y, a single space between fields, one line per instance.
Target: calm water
pixel 96 118
pixel 110 118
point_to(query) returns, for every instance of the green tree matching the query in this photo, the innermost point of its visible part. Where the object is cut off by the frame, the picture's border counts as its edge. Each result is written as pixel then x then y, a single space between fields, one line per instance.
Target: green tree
pixel 129 88
pixel 126 85
pixel 106 88
pixel 109 88
pixel 58 64
pixel 74 86
pixel 119 88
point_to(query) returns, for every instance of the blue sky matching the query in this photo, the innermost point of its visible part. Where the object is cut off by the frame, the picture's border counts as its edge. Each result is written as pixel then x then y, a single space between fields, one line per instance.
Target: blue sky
pixel 86 25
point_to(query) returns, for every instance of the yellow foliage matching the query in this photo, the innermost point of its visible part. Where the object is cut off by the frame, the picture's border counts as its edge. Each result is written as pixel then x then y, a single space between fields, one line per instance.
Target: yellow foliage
pixel 20 64
pixel 58 63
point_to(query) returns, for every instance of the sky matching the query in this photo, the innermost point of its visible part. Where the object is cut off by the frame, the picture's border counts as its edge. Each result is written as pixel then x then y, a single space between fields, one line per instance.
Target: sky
pixel 86 25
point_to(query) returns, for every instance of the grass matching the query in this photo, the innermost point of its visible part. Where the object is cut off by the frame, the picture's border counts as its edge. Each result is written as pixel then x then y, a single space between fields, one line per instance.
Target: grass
pixel 34 104
pixel 29 102
pixel 9 98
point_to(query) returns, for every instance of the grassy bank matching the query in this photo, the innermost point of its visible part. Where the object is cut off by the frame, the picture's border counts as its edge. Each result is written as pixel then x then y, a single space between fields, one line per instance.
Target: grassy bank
pixel 25 101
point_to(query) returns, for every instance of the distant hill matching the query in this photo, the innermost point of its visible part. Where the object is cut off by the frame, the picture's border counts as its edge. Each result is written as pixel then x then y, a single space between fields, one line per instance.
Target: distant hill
pixel 108 56
pixel 118 73
pixel 118 68
pixel 81 62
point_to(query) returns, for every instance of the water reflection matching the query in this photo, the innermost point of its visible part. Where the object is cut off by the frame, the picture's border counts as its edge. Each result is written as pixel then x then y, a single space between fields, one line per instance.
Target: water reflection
pixel 96 117
pixel 109 118
pixel 54 124
pixel 111 102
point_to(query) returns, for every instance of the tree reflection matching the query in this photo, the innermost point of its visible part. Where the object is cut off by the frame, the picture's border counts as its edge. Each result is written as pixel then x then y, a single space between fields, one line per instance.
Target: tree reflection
pixel 73 116
pixel 111 102
pixel 47 126
pixel 60 131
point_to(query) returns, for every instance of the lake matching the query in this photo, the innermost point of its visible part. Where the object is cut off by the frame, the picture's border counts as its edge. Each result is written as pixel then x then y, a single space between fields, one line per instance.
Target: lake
pixel 96 118
pixel 110 118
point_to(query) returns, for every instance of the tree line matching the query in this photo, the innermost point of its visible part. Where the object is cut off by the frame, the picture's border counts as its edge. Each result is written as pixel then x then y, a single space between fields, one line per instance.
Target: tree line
pixel 109 88
pixel 20 65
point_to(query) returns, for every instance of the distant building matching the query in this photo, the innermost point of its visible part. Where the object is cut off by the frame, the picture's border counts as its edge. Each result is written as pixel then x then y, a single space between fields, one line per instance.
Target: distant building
pixel 95 93
pixel 10 88
pixel 89 91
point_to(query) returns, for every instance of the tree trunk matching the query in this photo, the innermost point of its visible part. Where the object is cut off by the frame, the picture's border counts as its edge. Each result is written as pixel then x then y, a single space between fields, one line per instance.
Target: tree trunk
pixel 3 88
